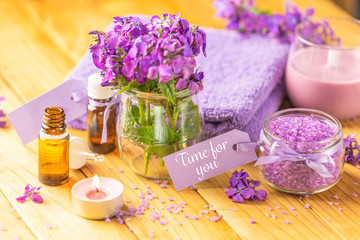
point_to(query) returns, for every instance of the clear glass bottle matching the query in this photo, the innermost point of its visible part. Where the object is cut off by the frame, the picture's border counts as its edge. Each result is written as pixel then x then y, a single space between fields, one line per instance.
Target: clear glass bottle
pixel 300 166
pixel 53 148
pixel 100 107
pixel 150 128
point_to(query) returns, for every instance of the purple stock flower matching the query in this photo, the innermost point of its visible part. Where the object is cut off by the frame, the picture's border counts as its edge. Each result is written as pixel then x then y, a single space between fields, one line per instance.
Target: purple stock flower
pixel 181 84
pixel 161 50
pixel 351 145
pixel 238 177
pixel 33 193
pixel 239 193
pixel 242 15
pixel 242 188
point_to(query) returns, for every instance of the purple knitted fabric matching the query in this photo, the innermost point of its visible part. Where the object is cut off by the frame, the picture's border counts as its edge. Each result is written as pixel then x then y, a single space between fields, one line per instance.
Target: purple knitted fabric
pixel 243 81
pixel 242 84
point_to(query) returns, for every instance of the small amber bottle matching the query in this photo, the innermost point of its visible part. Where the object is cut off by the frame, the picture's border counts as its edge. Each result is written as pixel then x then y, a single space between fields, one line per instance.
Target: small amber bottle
pixel 53 148
pixel 101 116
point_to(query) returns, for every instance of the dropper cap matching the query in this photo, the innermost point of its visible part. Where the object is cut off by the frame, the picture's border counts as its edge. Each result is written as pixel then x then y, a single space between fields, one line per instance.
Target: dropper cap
pixel 79 153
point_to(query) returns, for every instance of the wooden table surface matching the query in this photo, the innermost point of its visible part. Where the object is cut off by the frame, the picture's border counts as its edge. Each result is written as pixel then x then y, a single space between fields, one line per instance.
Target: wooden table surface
pixel 41 41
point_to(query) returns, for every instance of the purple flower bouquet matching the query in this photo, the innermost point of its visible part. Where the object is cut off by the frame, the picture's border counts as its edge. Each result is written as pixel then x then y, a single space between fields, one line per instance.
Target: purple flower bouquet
pixel 154 67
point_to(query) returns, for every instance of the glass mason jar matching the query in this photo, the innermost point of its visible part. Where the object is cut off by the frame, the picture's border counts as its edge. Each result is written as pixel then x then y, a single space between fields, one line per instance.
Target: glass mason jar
pixel 149 127
pixel 323 76
pixel 302 167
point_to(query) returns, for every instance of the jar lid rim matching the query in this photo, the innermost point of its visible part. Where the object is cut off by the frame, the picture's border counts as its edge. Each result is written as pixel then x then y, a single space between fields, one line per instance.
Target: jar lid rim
pixel 180 94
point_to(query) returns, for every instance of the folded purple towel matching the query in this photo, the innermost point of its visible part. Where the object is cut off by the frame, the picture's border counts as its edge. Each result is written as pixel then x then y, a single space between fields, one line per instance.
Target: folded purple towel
pixel 242 84
pixel 243 81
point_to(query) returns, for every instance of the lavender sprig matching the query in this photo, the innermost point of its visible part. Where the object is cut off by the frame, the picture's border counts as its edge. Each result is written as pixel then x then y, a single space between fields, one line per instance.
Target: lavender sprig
pixel 351 145
pixel 244 16
pixel 242 188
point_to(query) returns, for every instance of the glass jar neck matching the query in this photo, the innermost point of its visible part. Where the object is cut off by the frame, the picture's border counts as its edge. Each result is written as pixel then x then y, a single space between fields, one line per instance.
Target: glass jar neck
pixel 268 138
pixel 156 98
pixel 54 121
pixel 104 100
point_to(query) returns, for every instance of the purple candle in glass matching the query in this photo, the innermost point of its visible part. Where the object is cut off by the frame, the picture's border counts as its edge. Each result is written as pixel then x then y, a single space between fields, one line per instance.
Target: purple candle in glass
pixel 303 151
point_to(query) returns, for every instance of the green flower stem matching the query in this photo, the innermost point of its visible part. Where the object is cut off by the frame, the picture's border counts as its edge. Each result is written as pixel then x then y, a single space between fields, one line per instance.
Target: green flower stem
pixel 162 163
pixel 197 117
pixel 148 110
pixel 172 123
pixel 142 112
pixel 147 157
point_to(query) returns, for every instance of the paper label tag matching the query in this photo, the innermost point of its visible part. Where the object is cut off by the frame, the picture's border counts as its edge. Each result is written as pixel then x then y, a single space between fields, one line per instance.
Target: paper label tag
pixel 208 159
pixel 27 119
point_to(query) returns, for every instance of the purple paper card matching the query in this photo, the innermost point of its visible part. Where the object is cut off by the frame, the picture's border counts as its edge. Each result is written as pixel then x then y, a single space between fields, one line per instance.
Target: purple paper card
pixel 27 119
pixel 208 159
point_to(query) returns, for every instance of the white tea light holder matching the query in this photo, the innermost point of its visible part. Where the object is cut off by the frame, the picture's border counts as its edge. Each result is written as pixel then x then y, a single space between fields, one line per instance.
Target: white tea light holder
pixel 109 203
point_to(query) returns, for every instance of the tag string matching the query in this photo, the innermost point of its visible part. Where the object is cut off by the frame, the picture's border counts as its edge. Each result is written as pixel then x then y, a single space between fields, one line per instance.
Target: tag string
pixel 114 100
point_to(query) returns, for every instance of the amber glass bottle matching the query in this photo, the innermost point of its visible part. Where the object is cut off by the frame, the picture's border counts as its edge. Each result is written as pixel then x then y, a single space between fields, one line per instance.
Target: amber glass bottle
pixel 101 116
pixel 53 148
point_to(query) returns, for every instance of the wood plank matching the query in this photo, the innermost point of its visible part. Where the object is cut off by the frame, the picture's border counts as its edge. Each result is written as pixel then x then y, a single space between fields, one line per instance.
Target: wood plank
pixel 12 224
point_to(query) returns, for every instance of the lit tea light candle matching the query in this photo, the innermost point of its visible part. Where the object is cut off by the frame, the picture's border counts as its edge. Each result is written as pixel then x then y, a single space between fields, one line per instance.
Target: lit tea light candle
pixel 97 198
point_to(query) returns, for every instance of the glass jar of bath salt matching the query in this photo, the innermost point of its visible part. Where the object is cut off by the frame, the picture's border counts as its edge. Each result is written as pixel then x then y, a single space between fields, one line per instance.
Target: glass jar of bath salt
pixel 303 151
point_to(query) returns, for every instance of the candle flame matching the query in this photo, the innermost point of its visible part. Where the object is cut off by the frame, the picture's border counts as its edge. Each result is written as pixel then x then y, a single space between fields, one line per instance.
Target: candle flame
pixel 96 182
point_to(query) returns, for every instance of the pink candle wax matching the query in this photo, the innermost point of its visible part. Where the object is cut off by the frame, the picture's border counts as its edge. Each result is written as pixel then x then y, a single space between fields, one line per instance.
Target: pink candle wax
pixel 328 80
pixel 96 194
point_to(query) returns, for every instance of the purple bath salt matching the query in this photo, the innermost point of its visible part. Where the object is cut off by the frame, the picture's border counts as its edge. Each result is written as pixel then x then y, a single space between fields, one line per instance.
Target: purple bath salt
pixel 304 134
